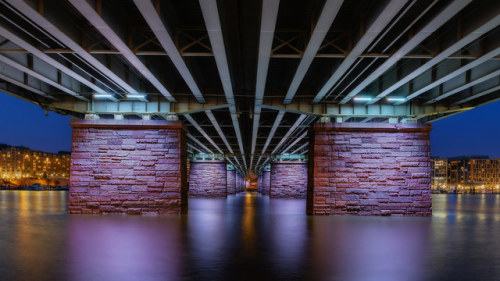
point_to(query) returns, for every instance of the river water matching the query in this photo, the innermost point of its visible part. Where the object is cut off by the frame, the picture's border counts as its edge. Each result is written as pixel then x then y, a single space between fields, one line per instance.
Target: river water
pixel 247 237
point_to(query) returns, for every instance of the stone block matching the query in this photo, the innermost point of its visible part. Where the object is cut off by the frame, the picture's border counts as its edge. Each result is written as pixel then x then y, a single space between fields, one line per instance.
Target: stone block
pixel 372 169
pixel 288 180
pixel 111 159
pixel 207 179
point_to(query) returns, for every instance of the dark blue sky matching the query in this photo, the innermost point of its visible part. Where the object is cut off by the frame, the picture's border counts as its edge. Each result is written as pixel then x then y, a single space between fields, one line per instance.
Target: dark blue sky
pixel 24 123
pixel 475 132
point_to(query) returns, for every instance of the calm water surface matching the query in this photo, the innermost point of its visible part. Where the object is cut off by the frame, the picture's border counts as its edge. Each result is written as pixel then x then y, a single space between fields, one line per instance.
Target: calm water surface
pixel 247 237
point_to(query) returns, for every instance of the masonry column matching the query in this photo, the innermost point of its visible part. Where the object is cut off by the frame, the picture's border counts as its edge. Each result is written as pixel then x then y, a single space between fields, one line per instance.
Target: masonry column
pixel 288 179
pixel 240 187
pixel 128 166
pixel 369 169
pixel 259 182
pixel 266 181
pixel 231 180
pixel 207 178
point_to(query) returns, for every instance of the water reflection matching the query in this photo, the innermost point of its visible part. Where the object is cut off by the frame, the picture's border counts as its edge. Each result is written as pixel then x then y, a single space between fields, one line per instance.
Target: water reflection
pixel 247 237
pixel 123 249
pixel 370 248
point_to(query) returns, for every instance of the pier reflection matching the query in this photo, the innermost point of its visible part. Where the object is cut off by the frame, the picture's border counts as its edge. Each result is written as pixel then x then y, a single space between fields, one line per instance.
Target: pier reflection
pixel 247 237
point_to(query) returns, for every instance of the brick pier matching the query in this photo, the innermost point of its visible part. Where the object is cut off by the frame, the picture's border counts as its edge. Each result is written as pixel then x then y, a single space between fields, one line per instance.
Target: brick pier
pixel 231 181
pixel 369 169
pixel 128 166
pixel 288 179
pixel 207 178
pixel 266 182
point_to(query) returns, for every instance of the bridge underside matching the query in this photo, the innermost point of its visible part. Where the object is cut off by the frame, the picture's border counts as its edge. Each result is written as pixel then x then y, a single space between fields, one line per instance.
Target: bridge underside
pixel 248 79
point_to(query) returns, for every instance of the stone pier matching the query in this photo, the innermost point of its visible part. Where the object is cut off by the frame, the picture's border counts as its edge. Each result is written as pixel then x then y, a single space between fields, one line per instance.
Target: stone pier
pixel 266 182
pixel 369 169
pixel 231 181
pixel 259 183
pixel 207 178
pixel 128 166
pixel 288 179
pixel 240 184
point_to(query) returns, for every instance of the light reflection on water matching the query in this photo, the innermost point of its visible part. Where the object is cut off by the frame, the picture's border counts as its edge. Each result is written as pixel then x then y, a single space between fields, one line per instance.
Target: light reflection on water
pixel 248 237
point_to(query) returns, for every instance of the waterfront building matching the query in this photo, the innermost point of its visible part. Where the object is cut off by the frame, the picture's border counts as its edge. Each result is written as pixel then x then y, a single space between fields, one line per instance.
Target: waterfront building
pixel 474 174
pixel 439 173
pixel 23 166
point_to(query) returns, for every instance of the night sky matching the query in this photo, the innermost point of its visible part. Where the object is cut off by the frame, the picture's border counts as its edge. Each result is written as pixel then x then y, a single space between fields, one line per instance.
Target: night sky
pixel 24 123
pixel 475 132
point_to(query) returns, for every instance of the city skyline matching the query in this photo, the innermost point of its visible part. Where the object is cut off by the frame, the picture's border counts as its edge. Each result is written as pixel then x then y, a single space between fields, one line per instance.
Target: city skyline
pixel 473 132
pixel 28 126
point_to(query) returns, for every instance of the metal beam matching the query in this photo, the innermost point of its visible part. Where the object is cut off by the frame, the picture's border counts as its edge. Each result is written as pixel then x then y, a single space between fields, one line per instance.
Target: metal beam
pixel 37 53
pixel 388 46
pixel 454 74
pixel 51 29
pixel 199 143
pixel 211 116
pixel 197 126
pixel 444 16
pixel 95 19
pixel 472 36
pixel 38 76
pixel 465 86
pixel 328 14
pixel 267 26
pixel 159 107
pixel 377 27
pixel 156 24
pixel 195 148
pixel 27 87
pixel 367 119
pixel 300 148
pixel 281 56
pixel 478 95
pixel 276 123
pixel 290 131
pixel 212 22
pixel 295 142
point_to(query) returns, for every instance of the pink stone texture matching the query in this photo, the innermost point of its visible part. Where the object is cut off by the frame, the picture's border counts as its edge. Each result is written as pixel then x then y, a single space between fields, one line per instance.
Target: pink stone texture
pixel 259 183
pixel 207 178
pixel 369 169
pixel 240 183
pixel 128 166
pixel 231 181
pixel 266 182
pixel 288 179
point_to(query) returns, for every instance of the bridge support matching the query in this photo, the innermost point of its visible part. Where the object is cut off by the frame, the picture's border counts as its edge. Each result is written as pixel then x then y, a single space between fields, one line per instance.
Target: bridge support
pixel 207 178
pixel 128 166
pixel 288 179
pixel 369 169
pixel 231 180
pixel 240 183
pixel 266 181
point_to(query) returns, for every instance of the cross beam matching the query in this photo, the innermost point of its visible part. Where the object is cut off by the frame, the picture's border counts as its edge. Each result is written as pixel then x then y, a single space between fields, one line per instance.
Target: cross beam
pixel 267 26
pixel 212 22
pixel 51 29
pixel 156 24
pixel 98 22
pixel 328 14
pixel 472 36
pixel 450 11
